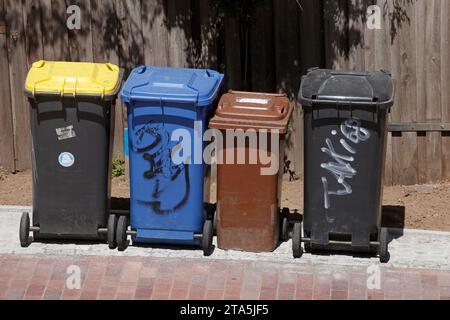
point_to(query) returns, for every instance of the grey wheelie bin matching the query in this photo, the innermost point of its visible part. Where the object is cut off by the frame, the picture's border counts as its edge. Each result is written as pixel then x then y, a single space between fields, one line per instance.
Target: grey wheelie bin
pixel 72 112
pixel 345 130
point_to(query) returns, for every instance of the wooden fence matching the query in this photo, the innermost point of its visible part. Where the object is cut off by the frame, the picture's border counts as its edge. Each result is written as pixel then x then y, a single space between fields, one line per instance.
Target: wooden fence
pixel 267 50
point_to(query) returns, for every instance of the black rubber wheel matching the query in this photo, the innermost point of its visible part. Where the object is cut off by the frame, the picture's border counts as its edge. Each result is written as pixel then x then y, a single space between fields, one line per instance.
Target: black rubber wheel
pixel 24 233
pixel 383 248
pixel 207 239
pixel 112 226
pixel 121 233
pixel 285 229
pixel 297 249
pixel 215 222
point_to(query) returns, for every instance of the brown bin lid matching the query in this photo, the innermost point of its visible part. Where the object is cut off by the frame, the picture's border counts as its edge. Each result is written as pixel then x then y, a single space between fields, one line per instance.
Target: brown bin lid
pixel 248 110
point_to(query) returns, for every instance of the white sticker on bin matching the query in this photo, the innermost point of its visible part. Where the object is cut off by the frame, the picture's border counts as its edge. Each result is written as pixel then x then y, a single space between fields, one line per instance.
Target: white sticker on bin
pixel 256 101
pixel 66 159
pixel 65 133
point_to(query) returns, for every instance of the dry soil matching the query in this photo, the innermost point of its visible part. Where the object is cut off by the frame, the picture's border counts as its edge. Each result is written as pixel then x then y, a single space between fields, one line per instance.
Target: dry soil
pixel 417 207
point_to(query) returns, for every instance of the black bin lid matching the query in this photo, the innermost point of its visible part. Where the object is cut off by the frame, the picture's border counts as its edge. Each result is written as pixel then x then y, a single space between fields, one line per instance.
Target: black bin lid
pixel 321 86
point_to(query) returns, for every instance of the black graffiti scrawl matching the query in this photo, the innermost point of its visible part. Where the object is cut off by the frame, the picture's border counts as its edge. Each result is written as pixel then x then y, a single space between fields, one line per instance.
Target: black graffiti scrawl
pixel 170 188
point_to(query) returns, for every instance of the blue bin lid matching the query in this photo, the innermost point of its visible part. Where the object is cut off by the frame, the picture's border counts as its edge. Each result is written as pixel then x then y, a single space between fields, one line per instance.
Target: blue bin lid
pixel 197 86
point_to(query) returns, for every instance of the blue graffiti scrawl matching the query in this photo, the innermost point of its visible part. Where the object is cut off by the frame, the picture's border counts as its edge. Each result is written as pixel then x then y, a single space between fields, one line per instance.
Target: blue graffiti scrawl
pixel 169 184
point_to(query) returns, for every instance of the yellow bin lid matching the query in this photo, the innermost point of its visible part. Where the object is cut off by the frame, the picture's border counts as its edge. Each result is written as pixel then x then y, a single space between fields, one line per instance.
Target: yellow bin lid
pixel 73 79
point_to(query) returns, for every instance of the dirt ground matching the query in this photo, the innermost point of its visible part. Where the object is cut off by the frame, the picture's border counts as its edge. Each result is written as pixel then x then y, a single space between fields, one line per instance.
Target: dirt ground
pixel 417 207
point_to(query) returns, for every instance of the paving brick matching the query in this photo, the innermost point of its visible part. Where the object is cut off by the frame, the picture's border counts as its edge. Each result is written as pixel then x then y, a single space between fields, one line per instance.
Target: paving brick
pixel 339 295
pixel 216 295
pixel 35 291
pixel 162 279
pixel 52 295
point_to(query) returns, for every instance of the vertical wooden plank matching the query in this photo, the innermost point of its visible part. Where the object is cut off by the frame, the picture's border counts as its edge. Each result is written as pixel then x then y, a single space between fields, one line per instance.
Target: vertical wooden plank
pixel 104 32
pixel 233 54
pixel 312 52
pixel 54 30
pixel 131 50
pixel 17 72
pixel 155 33
pixel 33 30
pixel 131 42
pixel 287 47
pixel 421 89
pixel 445 84
pixel 80 41
pixel 356 33
pixel 368 46
pixel 59 31
pixel 405 110
pixel 382 59
pixel 433 87
pixel 47 30
pixel 179 19
pixel 208 28
pixel 336 33
pixel 287 71
pixel 105 36
pixel 6 117
pixel 261 44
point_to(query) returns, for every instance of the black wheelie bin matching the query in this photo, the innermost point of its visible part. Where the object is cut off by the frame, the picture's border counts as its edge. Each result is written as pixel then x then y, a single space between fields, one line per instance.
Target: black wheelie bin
pixel 345 130
pixel 72 124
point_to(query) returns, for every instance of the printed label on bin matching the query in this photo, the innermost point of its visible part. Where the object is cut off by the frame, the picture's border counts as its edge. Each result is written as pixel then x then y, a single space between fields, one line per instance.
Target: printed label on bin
pixel 65 133
pixel 66 159
pixel 255 101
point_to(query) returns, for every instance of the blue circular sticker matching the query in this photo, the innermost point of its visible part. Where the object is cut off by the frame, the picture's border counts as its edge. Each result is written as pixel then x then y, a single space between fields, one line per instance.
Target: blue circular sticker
pixel 66 159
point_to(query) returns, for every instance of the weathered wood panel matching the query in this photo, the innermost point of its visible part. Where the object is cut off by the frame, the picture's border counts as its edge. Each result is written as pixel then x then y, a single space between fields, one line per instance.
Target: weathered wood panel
pixel 18 64
pixel 33 31
pixel 284 40
pixel 446 84
pixel 6 119
pixel 155 33
pixel 80 40
pixel 433 86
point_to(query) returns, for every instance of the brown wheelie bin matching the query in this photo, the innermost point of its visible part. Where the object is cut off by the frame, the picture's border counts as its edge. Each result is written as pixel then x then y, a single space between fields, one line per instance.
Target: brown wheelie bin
pixel 248 192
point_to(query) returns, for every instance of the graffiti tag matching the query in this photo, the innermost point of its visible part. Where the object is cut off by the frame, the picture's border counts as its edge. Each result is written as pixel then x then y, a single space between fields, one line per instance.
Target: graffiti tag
pixel 341 165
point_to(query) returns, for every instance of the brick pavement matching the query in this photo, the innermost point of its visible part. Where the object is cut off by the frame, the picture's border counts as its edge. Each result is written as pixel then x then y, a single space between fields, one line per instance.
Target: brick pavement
pixel 123 278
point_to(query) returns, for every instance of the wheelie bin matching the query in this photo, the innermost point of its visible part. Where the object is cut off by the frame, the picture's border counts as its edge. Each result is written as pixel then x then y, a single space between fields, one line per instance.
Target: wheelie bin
pixel 345 129
pixel 248 198
pixel 167 196
pixel 72 114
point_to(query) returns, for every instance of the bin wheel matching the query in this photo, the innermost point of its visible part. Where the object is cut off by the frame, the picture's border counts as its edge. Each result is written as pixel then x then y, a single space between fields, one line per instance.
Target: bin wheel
pixel 112 226
pixel 285 229
pixel 121 233
pixel 383 248
pixel 215 222
pixel 207 239
pixel 24 233
pixel 297 249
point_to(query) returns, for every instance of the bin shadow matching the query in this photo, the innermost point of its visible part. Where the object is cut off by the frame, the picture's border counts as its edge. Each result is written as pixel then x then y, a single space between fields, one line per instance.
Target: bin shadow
pixel 175 248
pixel 393 218
pixel 120 204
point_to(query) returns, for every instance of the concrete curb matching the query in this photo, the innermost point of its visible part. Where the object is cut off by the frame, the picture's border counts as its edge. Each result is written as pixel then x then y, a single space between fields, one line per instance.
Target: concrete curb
pixel 392 231
pixel 15 209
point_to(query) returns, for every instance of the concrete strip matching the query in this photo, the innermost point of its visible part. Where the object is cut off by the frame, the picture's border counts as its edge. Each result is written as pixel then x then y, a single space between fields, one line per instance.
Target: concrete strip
pixel 414 249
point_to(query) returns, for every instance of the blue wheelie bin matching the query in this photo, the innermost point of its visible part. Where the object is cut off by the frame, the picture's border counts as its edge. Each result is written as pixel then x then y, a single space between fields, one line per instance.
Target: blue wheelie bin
pixel 167 202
